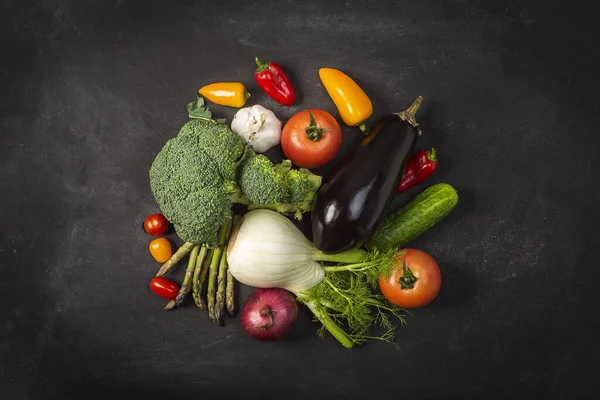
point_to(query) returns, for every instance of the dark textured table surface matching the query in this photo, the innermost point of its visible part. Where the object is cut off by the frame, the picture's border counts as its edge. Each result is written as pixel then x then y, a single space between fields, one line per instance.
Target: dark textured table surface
pixel 90 91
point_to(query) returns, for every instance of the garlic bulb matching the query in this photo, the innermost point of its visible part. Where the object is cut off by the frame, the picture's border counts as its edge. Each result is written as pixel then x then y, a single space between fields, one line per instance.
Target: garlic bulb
pixel 258 126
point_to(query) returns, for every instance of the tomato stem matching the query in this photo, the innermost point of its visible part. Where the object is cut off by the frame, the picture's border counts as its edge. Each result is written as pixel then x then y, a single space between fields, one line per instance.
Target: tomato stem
pixel 408 279
pixel 313 132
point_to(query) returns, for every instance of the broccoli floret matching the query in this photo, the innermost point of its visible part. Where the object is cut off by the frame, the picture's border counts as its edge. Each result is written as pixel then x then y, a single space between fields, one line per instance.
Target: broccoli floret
pixel 263 183
pixel 278 187
pixel 204 209
pixel 226 148
pixel 303 186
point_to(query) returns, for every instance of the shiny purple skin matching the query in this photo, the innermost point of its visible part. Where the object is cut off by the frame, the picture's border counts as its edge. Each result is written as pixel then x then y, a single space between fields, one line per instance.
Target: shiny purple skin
pixel 351 204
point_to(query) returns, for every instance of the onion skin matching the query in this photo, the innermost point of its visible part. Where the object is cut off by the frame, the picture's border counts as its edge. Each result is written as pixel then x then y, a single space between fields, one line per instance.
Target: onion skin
pixel 269 314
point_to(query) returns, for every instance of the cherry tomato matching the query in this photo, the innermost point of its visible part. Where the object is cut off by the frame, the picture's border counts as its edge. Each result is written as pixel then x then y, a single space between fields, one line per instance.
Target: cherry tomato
pixel 311 138
pixel 414 281
pixel 156 225
pixel 164 287
pixel 161 250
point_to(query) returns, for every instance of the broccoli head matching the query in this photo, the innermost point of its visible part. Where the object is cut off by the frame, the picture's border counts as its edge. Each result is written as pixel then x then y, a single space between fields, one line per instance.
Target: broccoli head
pixel 303 186
pixel 193 179
pixel 200 173
pixel 262 182
pixel 278 187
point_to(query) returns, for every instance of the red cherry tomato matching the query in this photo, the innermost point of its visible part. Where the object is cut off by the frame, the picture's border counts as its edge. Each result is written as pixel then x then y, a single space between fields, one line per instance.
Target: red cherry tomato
pixel 156 225
pixel 311 138
pixel 414 281
pixel 161 250
pixel 164 287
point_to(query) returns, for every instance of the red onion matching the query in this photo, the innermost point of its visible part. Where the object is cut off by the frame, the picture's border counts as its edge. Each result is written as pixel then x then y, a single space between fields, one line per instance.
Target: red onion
pixel 269 314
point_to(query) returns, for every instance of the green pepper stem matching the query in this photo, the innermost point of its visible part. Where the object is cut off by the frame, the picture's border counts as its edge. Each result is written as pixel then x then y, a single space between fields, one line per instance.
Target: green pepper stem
pixel 432 155
pixel 261 66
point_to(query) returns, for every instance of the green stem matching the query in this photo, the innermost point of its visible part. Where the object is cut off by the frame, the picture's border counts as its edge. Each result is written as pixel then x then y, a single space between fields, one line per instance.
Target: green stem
pixel 200 288
pixel 212 277
pixel 230 294
pixel 230 284
pixel 348 256
pixel 329 324
pixel 335 289
pixel 187 280
pixel 350 267
pixel 220 296
pixel 214 269
pixel 175 258
pixel 201 266
pixel 261 65
pixel 408 279
pixel 313 132
pixel 432 155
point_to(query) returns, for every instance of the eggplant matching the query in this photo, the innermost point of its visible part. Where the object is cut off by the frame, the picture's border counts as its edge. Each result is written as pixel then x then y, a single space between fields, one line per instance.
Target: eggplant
pixel 351 204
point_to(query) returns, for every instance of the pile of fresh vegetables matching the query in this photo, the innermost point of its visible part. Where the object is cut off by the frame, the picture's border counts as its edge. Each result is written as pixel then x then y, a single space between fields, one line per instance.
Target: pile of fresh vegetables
pixel 356 247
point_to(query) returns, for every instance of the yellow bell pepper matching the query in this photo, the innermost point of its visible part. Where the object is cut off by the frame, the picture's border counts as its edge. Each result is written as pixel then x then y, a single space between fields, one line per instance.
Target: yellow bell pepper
pixel 352 102
pixel 230 94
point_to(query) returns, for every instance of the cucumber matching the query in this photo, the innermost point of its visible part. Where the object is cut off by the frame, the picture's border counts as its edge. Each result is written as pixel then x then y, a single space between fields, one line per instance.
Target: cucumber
pixel 424 211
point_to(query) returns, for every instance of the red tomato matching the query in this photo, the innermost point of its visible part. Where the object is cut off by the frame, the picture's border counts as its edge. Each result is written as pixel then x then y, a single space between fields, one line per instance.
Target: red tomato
pixel 414 281
pixel 164 287
pixel 156 225
pixel 311 138
pixel 161 250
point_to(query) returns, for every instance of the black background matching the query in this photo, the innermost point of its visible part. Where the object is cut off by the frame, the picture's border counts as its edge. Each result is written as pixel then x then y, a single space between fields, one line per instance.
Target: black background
pixel 90 91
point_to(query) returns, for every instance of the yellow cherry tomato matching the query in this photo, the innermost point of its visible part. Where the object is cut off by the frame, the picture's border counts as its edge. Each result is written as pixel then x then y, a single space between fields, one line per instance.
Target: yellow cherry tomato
pixel 161 250
pixel 230 94
pixel 352 102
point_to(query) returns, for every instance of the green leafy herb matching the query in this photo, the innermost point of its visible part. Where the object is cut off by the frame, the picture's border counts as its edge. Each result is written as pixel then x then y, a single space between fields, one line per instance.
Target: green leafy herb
pixel 197 110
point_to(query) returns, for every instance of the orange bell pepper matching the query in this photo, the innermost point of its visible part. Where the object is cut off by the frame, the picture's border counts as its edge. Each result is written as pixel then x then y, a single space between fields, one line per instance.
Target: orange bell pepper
pixel 230 94
pixel 352 102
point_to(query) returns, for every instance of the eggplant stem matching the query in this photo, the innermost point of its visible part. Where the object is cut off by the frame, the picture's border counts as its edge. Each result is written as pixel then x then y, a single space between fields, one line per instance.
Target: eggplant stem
pixel 408 115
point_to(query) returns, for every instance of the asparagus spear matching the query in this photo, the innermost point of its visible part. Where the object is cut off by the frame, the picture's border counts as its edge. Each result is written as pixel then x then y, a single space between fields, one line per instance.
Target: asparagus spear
pixel 214 269
pixel 199 278
pixel 187 280
pixel 212 276
pixel 230 294
pixel 220 297
pixel 175 258
pixel 230 285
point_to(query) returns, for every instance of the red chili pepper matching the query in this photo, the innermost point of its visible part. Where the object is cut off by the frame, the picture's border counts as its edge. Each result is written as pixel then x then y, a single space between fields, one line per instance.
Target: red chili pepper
pixel 418 168
pixel 273 80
